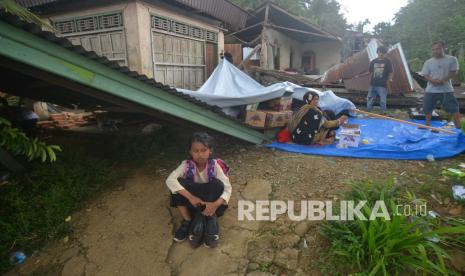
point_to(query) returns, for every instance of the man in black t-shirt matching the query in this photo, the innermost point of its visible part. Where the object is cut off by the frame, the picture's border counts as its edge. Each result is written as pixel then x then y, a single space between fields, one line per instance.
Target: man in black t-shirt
pixel 381 72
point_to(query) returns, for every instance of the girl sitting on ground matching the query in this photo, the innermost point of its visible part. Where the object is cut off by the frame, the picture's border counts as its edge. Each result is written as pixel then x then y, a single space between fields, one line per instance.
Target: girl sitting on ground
pixel 309 125
pixel 200 190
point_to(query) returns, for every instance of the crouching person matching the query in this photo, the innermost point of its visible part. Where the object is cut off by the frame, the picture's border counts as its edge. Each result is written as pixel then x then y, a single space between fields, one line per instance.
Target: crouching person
pixel 309 125
pixel 200 190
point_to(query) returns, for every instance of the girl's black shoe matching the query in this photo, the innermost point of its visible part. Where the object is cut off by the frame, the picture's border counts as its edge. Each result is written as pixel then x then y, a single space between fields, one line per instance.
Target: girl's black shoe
pixel 183 231
pixel 197 229
pixel 211 237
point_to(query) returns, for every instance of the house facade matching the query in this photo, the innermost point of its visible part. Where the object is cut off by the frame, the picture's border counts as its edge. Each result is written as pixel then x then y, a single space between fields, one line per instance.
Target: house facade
pixel 176 42
pixel 288 42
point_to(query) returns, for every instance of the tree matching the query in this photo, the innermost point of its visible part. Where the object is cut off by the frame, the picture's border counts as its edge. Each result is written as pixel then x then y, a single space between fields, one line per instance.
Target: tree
pixel 361 25
pixel 12 139
pixel 325 13
pixel 421 22
pixel 386 32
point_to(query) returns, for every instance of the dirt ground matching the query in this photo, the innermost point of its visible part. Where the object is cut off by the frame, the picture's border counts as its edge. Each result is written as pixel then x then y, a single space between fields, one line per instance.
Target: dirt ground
pixel 128 231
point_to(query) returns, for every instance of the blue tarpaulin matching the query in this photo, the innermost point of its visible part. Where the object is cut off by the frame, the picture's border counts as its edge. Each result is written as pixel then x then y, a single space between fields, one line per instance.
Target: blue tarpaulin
pixel 389 140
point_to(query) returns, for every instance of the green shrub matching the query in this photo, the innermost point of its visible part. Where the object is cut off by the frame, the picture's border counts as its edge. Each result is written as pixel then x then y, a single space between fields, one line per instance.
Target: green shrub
pixel 33 206
pixel 399 246
pixel 15 141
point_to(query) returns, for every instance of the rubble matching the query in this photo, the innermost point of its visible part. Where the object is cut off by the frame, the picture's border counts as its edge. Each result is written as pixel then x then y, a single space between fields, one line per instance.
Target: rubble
pixel 67 120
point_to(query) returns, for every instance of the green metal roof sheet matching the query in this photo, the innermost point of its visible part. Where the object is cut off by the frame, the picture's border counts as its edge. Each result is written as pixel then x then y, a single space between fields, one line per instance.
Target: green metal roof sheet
pixel 28 44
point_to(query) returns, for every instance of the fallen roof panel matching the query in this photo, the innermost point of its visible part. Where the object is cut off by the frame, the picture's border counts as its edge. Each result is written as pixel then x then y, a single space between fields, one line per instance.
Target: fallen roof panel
pixel 350 70
pixel 28 44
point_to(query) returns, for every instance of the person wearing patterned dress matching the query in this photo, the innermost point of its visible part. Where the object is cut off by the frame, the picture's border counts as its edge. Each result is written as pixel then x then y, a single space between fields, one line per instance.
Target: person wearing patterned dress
pixel 309 125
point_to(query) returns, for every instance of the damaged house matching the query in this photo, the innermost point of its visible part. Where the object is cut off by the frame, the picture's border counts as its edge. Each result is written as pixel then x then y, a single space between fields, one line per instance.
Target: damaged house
pixel 177 42
pixel 350 72
pixel 283 41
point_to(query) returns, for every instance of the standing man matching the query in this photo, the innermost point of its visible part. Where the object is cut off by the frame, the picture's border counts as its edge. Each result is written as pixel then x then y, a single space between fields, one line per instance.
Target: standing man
pixel 438 71
pixel 381 72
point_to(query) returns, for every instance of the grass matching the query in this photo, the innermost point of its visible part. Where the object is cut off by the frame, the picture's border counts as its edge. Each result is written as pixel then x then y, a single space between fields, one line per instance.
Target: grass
pixel 265 266
pixel 34 205
pixel 403 245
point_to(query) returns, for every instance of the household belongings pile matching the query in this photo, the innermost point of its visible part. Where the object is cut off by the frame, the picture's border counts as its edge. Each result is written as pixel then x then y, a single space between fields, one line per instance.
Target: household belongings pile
pixel 388 139
pixel 233 90
pixel 270 114
pixel 349 136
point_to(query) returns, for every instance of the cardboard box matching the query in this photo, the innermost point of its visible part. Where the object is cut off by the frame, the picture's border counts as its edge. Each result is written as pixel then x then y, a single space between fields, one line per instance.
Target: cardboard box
pixel 280 104
pixel 349 136
pixel 347 140
pixel 255 118
pixel 277 118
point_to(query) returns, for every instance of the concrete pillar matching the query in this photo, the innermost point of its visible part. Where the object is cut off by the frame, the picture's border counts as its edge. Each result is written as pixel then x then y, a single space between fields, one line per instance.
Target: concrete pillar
pixel 132 36
pixel 145 39
pixel 220 43
pixel 138 38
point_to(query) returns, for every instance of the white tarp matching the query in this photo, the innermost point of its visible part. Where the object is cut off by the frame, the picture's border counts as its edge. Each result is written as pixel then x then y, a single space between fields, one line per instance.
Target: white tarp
pixel 229 87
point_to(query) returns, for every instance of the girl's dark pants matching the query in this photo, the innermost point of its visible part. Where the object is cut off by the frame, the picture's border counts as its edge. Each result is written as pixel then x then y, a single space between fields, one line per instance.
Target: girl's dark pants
pixel 207 192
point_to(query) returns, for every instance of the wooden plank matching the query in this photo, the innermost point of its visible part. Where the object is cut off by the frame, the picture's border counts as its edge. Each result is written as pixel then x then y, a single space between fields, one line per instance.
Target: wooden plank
pixel 105 42
pixel 236 51
pixel 171 53
pixel 109 44
pixel 403 121
pixel 211 58
pixel 299 31
pixel 267 13
pixel 264 50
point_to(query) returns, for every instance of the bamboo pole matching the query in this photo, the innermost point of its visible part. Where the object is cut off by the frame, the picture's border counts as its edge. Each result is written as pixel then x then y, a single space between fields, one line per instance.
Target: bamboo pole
pixel 403 121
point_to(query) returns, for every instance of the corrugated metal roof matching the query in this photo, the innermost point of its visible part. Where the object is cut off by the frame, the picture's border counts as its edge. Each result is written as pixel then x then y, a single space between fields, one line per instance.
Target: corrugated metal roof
pixel 222 10
pixel 405 65
pixel 403 79
pixel 359 63
pixel 34 3
pixel 65 43
pixel 371 49
pixel 284 21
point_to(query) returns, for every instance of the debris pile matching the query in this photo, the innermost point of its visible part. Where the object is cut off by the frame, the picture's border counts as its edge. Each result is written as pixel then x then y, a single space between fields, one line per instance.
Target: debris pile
pixel 67 120
pixel 268 76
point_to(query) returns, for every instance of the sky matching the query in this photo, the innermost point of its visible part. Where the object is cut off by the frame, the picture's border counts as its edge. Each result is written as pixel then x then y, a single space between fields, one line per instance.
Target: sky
pixel 375 10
